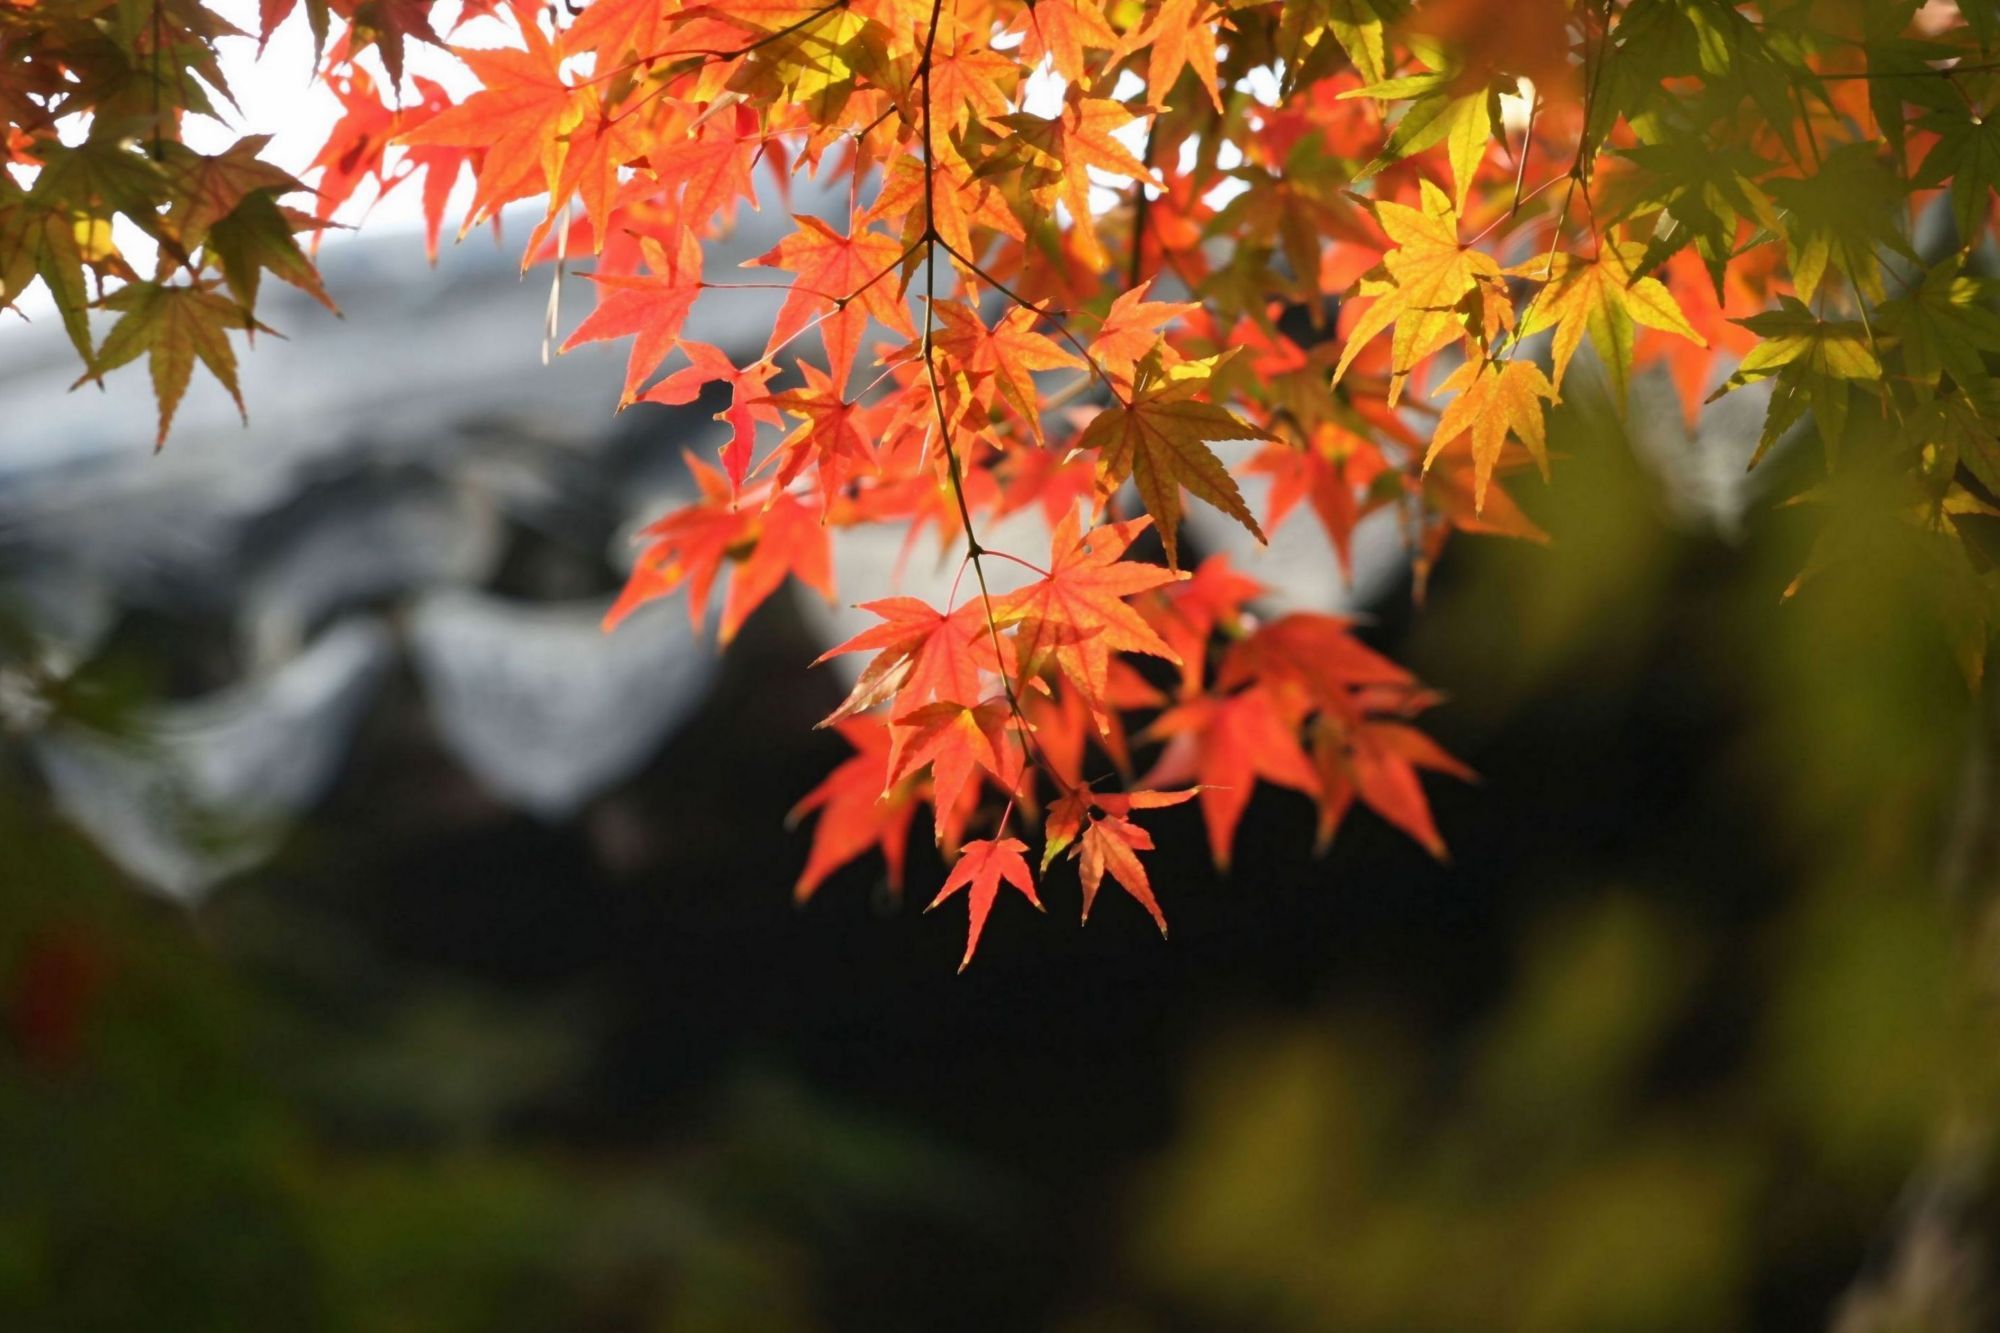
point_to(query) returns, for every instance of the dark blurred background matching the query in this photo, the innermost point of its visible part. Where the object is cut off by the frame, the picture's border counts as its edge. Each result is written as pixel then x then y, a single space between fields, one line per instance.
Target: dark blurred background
pixel 381 948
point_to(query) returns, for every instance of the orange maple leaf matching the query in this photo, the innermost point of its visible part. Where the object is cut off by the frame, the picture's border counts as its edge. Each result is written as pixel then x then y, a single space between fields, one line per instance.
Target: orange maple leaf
pixel 1378 761
pixel 689 547
pixel 1076 616
pixel 1007 354
pixel 519 118
pixel 846 278
pixel 829 434
pixel 1493 399
pixel 955 738
pixel 1131 328
pixel 1062 30
pixel 855 813
pixel 1113 843
pixel 747 406
pixel 981 866
pixel 921 655
pixel 649 309
pixel 1226 743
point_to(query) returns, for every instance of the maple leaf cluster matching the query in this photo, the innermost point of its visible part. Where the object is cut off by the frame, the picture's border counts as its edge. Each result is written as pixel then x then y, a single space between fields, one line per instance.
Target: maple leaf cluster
pixel 1096 258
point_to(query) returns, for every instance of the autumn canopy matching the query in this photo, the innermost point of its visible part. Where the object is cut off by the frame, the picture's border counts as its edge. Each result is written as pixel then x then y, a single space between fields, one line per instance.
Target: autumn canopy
pixel 1102 260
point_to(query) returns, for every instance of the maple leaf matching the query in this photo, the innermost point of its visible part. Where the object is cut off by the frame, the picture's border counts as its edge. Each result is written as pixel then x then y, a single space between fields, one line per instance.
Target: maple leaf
pixel 356 144
pixel 711 166
pixel 709 364
pixel 1190 612
pixel 616 27
pixel 1063 725
pixel 1967 157
pixel 1131 328
pixel 921 655
pixel 1182 35
pixel 1945 322
pixel 1008 353
pixel 520 119
pixel 1844 215
pixel 955 738
pixel 1076 615
pixel 1813 361
pixel 1331 473
pixel 971 80
pixel 1379 762
pixel 1494 397
pixel 1313 652
pixel 1068 812
pixel 1062 30
pixel 650 309
pixel 209 187
pixel 845 277
pixel 1427 278
pixel 1066 147
pixel 1605 298
pixel 595 151
pixel 1158 438
pixel 257 236
pixel 689 547
pixel 1448 109
pixel 1226 743
pixel 981 866
pixel 1113 843
pixel 855 813
pixel 173 326
pixel 830 434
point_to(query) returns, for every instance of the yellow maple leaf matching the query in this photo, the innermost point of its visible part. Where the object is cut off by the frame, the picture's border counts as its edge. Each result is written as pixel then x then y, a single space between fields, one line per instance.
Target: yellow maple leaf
pixel 1494 397
pixel 1603 298
pixel 1426 286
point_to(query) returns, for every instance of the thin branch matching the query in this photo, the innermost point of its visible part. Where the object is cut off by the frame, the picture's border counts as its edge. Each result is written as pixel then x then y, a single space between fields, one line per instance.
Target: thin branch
pixel 1062 328
pixel 974 552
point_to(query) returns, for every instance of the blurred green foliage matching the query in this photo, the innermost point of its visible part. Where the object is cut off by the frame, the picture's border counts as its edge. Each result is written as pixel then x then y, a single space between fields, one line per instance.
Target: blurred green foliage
pixel 1575 1165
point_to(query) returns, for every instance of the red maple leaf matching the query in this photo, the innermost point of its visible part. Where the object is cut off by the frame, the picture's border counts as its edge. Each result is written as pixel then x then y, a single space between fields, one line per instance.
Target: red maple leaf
pixel 830 434
pixel 1076 616
pixel 648 309
pixel 921 655
pixel 955 739
pixel 747 406
pixel 689 547
pixel 981 866
pixel 856 814
pixel 845 278
pixel 1379 761
pixel 1226 743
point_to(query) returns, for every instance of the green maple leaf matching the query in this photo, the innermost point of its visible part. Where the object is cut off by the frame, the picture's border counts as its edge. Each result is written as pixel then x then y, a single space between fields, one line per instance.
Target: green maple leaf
pixel 256 235
pixel 1954 426
pixel 1967 155
pixel 38 241
pixel 1842 216
pixel 174 327
pixel 1703 192
pixel 1358 32
pixel 1442 112
pixel 1943 324
pixel 1814 361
